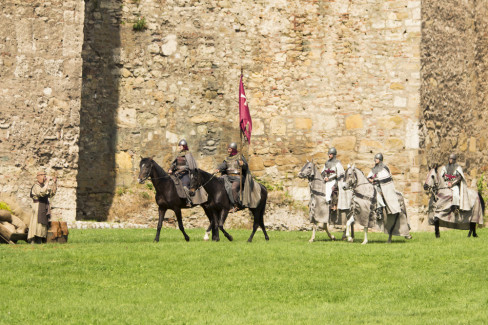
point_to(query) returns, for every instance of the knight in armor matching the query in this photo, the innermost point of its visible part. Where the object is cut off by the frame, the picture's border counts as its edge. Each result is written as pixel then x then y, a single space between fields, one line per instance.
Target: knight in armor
pixel 332 173
pixel 453 174
pixel 184 166
pixel 386 195
pixel 232 169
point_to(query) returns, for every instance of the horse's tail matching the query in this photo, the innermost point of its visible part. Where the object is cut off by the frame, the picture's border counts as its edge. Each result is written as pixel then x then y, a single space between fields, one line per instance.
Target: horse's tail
pixel 482 202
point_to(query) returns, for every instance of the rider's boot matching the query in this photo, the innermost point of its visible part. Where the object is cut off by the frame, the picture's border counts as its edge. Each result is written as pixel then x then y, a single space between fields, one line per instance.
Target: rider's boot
pixel 379 213
pixel 455 210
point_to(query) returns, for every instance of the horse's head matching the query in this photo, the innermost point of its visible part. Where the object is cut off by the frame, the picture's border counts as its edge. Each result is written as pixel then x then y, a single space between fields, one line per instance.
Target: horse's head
pixel 350 177
pixel 145 167
pixel 432 180
pixel 307 170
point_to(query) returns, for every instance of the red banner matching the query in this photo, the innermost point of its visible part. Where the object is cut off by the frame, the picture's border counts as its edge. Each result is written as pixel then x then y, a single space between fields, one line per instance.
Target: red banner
pixel 245 121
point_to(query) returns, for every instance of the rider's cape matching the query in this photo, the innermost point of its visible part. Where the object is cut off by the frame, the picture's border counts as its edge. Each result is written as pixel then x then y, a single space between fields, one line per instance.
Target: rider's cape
pixel 344 196
pixel 464 201
pixel 251 190
pixel 385 181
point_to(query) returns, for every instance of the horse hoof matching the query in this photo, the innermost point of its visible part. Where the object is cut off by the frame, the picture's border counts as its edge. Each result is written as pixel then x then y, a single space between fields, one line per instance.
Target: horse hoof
pixel 205 238
pixel 408 237
pixel 437 235
pixel 475 235
pixel 364 242
pixel 310 241
pixel 187 238
pixel 389 241
pixel 332 238
pixel 230 238
pixel 249 240
pixel 350 239
pixel 267 238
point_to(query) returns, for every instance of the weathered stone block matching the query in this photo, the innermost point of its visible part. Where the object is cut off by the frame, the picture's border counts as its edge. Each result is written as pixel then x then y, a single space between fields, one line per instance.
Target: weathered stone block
pixel 344 143
pixel 397 86
pixel 278 126
pixel 200 119
pixel 395 144
pixel 303 123
pixel 354 122
pixel 472 144
pixel 256 163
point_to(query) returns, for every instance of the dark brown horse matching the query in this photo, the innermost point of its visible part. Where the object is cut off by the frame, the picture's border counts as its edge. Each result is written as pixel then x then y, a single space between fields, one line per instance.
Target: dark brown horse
pixel 167 197
pixel 216 190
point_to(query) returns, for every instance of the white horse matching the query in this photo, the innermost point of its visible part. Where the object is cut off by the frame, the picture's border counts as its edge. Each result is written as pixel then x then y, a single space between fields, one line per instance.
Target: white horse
pixel 363 208
pixel 440 212
pixel 319 210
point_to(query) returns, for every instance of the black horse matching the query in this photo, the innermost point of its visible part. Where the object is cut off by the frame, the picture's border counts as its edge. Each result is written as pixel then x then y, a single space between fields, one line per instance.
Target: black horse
pixel 168 198
pixel 216 189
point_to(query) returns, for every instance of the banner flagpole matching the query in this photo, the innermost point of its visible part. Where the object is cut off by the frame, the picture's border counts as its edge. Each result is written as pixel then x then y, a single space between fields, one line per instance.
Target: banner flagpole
pixel 240 133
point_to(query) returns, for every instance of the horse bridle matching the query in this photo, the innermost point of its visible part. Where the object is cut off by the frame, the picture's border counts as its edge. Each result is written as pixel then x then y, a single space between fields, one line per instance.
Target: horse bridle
pixel 148 174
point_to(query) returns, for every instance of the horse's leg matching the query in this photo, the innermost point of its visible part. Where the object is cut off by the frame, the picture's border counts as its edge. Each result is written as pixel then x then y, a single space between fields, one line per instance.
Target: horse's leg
pixel 352 229
pixel 160 223
pixel 223 216
pixel 255 225
pixel 213 218
pixel 207 232
pixel 365 241
pixel 180 224
pixel 314 227
pixel 326 226
pixel 475 235
pixel 472 229
pixel 436 227
pixel 348 224
pixel 390 231
pixel 260 213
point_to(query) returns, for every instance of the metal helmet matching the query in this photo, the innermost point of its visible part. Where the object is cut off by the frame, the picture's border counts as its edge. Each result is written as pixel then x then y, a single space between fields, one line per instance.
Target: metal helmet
pixel 233 145
pixel 182 142
pixel 332 151
pixel 379 156
pixel 453 157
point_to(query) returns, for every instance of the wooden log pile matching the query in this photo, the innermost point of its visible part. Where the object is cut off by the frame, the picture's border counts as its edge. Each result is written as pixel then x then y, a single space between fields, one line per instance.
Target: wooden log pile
pixel 12 228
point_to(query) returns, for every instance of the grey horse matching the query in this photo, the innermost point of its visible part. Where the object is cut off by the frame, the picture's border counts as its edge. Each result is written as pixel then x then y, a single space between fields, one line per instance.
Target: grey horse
pixel 440 212
pixel 364 206
pixel 319 211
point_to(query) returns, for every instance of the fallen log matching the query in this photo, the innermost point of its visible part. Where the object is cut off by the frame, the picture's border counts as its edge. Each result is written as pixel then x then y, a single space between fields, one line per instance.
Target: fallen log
pixel 5 215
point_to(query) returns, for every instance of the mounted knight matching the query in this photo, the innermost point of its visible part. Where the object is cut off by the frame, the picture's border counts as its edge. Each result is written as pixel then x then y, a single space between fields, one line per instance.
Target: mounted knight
pixel 386 195
pixel 453 175
pixel 236 174
pixel 184 168
pixel 333 174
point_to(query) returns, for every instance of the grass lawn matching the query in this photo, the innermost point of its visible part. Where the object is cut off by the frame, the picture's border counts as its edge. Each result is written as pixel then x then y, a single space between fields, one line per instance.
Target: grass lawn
pixel 122 276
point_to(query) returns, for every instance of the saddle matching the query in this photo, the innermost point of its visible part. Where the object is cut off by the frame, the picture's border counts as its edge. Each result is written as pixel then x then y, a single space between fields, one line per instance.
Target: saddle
pixel 199 196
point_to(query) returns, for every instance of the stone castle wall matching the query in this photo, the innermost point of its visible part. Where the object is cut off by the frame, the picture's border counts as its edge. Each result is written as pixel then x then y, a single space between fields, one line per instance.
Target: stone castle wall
pixel 40 87
pixel 317 74
pixel 454 85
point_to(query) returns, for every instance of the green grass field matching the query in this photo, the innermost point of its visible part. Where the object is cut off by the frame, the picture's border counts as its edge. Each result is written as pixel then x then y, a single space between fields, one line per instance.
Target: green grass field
pixel 122 276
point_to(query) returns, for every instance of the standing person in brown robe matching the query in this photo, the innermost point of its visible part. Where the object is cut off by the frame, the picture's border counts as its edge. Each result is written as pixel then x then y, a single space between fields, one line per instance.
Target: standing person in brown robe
pixel 40 193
